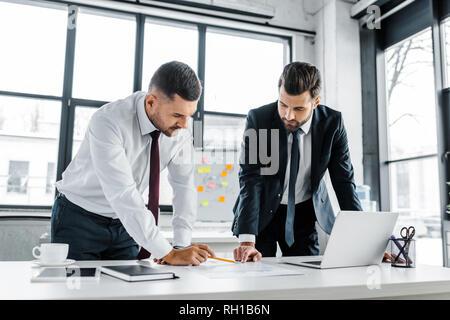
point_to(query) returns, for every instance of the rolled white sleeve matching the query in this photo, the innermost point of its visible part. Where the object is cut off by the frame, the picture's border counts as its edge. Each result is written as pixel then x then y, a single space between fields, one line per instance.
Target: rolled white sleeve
pixel 116 179
pixel 247 237
pixel 181 178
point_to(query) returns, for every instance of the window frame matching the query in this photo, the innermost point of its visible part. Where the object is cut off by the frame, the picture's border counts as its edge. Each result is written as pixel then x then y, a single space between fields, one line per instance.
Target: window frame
pixel 69 103
pixel 410 20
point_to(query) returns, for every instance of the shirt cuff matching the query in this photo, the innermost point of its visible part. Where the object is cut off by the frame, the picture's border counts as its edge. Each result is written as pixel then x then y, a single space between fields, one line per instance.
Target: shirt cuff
pixel 182 237
pixel 159 247
pixel 247 237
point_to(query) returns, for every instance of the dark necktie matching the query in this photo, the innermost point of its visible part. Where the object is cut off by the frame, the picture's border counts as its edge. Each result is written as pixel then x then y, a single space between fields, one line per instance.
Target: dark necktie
pixel 295 160
pixel 153 189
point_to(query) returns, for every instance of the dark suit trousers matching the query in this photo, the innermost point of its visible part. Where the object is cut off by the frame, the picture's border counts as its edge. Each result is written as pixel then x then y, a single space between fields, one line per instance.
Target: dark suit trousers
pixel 90 236
pixel 305 233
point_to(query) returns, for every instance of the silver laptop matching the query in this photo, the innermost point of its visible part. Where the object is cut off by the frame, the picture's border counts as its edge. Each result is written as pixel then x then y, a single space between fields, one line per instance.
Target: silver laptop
pixel 357 239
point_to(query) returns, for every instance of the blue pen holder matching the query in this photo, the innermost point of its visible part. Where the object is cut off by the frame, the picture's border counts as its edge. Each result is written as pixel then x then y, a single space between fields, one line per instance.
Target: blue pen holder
pixel 403 253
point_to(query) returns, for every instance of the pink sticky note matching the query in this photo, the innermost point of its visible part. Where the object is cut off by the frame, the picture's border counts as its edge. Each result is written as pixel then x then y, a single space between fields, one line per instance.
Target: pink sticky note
pixel 211 185
pixel 203 160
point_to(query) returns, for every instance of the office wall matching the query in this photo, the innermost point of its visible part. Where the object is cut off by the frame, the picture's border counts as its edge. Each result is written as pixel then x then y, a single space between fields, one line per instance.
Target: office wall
pixel 337 55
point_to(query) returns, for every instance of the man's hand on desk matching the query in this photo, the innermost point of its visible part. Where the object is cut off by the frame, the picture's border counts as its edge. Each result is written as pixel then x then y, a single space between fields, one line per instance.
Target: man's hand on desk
pixel 194 254
pixel 246 252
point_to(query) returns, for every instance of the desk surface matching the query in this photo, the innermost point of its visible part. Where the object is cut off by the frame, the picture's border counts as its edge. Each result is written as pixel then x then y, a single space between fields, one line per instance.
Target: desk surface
pixel 345 283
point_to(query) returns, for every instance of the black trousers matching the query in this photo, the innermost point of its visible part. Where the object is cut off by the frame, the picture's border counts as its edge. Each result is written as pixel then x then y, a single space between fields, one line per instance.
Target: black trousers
pixel 90 236
pixel 305 234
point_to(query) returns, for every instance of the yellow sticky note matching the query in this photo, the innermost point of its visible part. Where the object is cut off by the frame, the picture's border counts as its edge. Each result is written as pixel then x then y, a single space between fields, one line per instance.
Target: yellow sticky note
pixel 224 173
pixel 224 183
pixel 200 188
pixel 221 199
pixel 207 169
pixel 204 203
pixel 229 167
pixel 201 170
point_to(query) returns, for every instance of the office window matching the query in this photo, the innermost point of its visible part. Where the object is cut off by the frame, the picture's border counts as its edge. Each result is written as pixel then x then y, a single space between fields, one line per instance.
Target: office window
pixel 223 132
pixel 51 177
pixel 104 55
pixel 29 131
pixel 34 69
pixel 33 42
pixel 445 26
pixel 18 177
pixel 82 117
pixel 164 42
pixel 242 72
pixel 412 140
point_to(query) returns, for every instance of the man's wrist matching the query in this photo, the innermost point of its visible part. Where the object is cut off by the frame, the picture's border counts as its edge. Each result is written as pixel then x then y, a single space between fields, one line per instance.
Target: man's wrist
pixel 246 237
pixel 252 244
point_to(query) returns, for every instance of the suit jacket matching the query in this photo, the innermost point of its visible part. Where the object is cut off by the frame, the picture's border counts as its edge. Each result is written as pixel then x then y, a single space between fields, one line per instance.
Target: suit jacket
pixel 260 195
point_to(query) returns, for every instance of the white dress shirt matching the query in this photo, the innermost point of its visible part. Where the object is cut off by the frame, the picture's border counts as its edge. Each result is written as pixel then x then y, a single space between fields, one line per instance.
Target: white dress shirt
pixel 303 182
pixel 112 167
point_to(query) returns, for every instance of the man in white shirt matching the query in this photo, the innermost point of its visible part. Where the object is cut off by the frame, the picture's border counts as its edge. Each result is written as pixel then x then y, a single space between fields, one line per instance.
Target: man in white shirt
pixel 282 208
pixel 99 210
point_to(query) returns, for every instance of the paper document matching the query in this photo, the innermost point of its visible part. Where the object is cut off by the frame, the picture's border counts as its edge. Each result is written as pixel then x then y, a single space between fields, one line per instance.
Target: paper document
pixel 214 269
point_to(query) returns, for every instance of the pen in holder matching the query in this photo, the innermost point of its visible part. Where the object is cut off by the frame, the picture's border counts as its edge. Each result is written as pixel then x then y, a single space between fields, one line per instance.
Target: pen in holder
pixel 403 250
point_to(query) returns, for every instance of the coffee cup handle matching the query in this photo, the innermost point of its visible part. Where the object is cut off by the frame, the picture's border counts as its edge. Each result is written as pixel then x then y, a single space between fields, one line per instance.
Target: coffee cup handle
pixel 34 252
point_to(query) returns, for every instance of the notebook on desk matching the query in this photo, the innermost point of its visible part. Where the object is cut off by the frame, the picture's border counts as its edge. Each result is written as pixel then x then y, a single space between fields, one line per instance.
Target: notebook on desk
pixel 137 273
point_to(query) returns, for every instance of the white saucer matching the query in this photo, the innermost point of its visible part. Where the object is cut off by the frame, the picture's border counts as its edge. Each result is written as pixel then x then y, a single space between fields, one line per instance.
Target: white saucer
pixel 61 264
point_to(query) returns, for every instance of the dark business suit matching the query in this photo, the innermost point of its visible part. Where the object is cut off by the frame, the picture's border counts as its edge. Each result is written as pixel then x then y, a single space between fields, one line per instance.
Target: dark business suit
pixel 257 209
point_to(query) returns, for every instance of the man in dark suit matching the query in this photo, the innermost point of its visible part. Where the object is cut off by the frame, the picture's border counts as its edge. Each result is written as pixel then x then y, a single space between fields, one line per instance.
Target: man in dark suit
pixel 283 206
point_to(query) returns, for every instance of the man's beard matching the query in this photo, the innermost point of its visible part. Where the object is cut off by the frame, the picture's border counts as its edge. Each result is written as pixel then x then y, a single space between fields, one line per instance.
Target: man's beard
pixel 293 128
pixel 158 125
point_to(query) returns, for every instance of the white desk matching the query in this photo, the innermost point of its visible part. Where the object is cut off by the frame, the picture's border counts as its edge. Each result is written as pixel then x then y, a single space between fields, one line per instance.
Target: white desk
pixel 347 283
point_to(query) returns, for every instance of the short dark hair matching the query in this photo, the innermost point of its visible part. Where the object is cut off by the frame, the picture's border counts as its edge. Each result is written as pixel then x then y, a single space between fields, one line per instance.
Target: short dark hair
pixel 298 77
pixel 177 78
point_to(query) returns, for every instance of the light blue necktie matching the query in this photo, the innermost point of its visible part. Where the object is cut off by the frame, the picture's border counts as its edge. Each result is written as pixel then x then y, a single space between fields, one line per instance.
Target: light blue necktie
pixel 295 160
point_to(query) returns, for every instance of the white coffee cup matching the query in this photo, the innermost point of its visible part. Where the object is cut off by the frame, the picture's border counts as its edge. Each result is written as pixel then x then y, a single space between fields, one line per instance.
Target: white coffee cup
pixel 51 253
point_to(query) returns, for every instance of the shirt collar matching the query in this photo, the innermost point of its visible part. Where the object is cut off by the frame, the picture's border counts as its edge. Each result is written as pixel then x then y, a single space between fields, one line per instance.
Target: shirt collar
pixel 144 122
pixel 307 125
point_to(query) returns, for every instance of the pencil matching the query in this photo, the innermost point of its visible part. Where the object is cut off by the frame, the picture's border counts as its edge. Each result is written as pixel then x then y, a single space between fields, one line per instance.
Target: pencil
pixel 222 259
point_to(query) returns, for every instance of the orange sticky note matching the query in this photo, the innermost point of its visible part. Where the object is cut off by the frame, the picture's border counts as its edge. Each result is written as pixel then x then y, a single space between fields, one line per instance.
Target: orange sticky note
pixel 221 199
pixel 200 188
pixel 224 173
pixel 229 167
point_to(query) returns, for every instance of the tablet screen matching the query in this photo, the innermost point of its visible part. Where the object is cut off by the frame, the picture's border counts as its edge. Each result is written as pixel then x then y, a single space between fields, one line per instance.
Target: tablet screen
pixel 68 272
pixel 61 274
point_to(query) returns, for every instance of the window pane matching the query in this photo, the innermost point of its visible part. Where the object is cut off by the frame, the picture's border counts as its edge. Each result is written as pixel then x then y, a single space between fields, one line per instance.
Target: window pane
pixel 33 42
pixel 104 56
pixel 164 43
pixel 51 177
pixel 241 72
pixel 18 177
pixel 82 117
pixel 411 98
pixel 29 133
pixel 446 30
pixel 223 132
pixel 415 195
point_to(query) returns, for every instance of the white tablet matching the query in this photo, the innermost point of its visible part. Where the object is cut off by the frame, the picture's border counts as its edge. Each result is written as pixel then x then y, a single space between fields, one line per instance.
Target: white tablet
pixel 62 274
